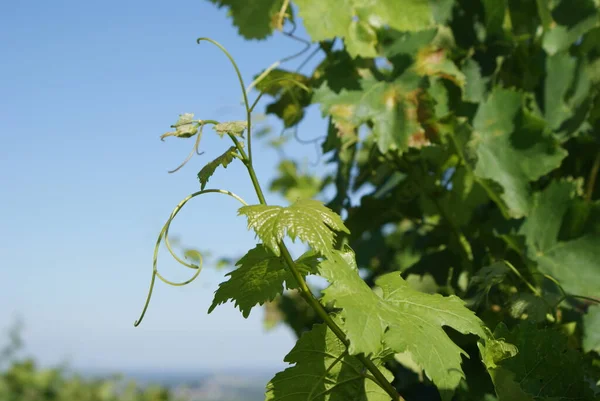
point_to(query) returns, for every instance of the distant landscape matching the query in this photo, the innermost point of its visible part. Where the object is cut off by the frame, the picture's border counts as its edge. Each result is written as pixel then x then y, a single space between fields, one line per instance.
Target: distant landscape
pixel 224 385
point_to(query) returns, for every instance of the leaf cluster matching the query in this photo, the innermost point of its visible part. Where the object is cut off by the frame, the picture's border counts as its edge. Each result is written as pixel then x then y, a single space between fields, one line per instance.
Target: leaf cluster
pixel 464 140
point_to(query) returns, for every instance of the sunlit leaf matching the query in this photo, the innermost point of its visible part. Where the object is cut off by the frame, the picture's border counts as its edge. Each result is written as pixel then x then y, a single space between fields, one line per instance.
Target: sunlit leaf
pixel 305 219
pixel 323 371
pixel 259 278
pixel 399 318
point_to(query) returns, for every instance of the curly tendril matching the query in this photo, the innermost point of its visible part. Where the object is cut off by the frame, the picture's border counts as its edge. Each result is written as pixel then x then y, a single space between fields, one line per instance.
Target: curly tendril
pixel 194 150
pixel 164 234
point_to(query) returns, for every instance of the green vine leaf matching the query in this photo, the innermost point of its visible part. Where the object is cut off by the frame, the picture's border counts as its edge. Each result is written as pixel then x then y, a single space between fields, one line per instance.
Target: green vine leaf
pixel 591 329
pixel 512 148
pixel 494 351
pixel 279 80
pixel 324 371
pixel 259 278
pixel 560 235
pixel 232 127
pixel 390 106
pixel 294 185
pixel 572 20
pixel 545 368
pixel 399 318
pixel 223 160
pixel 432 61
pixel 356 20
pixel 306 219
pixel 253 18
pixel 475 84
pixel 185 127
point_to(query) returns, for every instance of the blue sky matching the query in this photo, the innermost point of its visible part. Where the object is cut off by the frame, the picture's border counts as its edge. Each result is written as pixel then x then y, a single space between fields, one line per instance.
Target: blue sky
pixel 86 88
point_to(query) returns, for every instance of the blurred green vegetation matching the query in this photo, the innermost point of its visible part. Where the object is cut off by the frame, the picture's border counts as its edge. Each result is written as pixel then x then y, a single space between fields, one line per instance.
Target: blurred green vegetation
pixel 22 380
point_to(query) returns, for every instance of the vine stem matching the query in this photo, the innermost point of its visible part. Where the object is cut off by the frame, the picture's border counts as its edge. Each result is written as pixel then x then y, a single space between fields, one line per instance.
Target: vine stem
pixel 241 80
pixel 564 294
pixel 307 293
pixel 592 178
pixel 535 291
pixel 318 308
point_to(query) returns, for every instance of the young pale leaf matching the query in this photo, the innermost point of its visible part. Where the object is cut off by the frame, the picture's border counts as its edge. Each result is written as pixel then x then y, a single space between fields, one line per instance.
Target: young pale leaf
pixel 324 371
pixel 208 170
pixel 494 351
pixel 306 219
pixel 512 148
pixel 399 318
pixel 545 368
pixel 551 213
pixel 232 127
pixel 259 278
pixel 185 127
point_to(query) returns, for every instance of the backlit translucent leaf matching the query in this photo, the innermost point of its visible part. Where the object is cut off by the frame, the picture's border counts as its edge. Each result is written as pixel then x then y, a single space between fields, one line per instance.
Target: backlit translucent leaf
pixel 390 106
pixel 259 278
pixel 512 148
pixel 232 127
pixel 361 39
pixel 591 329
pixel 552 210
pixel 355 20
pixel 325 19
pixel 399 318
pixel 306 219
pixel 208 170
pixel 323 371
pixel 545 368
pixel 254 18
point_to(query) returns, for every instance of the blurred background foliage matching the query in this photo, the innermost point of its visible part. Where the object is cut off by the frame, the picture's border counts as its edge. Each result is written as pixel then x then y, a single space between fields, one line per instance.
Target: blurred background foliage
pixel 22 380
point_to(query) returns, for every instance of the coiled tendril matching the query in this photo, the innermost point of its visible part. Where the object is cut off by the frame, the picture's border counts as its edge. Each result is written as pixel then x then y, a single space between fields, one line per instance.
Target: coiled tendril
pixel 164 235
